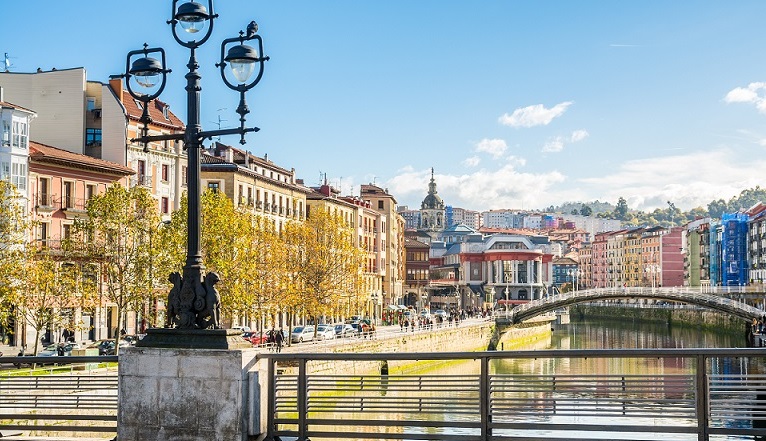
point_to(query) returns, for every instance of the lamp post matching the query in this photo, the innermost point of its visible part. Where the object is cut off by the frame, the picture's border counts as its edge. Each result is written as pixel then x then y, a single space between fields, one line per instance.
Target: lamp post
pixel 193 302
pixel 651 270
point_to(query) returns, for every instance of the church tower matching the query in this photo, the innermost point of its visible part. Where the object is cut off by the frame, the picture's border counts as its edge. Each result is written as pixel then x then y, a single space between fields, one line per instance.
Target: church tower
pixel 432 217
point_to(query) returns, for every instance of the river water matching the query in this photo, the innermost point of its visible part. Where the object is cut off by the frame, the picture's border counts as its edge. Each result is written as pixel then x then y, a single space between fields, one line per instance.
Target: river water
pixel 592 335
pixel 600 334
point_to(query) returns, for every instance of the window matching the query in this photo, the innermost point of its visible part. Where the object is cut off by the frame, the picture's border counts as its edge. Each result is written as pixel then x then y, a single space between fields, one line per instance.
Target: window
pixel 6 133
pixel 90 191
pixel 165 205
pixel 165 172
pixel 214 186
pixel 20 135
pixel 43 192
pixel 66 231
pixel 93 137
pixel 19 174
pixel 68 195
pixel 184 176
pixel 90 103
pixel 42 233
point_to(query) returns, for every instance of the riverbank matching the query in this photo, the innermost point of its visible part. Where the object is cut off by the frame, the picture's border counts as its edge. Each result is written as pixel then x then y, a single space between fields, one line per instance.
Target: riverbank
pixel 470 336
pixel 683 317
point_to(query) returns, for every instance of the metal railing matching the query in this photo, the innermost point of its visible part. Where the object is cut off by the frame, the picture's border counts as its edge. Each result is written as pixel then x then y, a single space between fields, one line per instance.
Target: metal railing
pixel 61 395
pixel 307 401
pixel 718 299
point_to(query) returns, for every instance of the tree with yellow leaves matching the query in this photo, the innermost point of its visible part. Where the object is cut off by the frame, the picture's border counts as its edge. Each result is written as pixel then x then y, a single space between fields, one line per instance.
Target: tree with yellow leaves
pixel 115 233
pixel 327 264
pixel 14 230
pixel 52 291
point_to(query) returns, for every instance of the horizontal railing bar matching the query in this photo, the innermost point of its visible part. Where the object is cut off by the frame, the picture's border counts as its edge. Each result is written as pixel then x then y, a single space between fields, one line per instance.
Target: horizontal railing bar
pixel 381 435
pixel 59 428
pixel 692 428
pixel 43 416
pixel 677 353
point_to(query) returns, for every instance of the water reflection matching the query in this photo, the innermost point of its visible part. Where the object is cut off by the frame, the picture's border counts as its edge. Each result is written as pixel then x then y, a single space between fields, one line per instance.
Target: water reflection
pixel 529 384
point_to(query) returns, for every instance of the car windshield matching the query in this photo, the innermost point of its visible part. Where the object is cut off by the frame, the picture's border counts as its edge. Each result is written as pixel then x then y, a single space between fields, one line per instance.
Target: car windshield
pixel 298 329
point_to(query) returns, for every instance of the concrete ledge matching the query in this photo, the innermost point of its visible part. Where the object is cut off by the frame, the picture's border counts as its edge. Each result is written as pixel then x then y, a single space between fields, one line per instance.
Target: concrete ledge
pixel 193 339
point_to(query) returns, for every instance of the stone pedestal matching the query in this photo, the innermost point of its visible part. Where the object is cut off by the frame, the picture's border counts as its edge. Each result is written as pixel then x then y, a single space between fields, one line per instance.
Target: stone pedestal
pixel 183 394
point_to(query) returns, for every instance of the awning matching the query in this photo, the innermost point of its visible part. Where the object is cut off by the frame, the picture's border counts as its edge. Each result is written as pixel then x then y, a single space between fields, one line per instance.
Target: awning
pixel 477 289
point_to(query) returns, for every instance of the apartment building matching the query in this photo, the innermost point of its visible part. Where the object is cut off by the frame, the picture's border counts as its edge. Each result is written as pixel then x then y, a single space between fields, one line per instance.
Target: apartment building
pixel 254 183
pixel 392 242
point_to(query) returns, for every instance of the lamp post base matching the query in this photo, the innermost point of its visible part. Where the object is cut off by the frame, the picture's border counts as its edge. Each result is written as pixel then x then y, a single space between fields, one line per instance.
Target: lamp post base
pixel 193 339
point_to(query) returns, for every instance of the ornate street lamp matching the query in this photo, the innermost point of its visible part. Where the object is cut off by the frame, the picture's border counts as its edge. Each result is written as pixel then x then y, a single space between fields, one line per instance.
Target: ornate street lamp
pixel 193 302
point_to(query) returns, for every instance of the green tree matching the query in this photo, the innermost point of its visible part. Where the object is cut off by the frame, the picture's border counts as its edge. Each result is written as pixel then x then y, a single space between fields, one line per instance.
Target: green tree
pixel 586 211
pixel 621 211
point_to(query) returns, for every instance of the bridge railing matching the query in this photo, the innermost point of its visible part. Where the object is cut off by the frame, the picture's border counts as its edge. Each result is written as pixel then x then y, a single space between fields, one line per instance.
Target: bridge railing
pixel 62 396
pixel 372 397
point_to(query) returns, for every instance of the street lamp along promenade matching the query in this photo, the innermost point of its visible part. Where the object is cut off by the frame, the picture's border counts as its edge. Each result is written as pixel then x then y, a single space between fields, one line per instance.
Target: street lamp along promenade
pixel 193 302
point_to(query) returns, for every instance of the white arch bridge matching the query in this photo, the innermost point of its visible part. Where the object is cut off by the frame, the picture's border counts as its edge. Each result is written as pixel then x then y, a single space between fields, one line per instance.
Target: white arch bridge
pixel 726 300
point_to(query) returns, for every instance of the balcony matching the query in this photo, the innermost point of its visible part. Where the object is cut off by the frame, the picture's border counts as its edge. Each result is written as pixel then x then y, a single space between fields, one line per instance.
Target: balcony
pixel 141 180
pixel 46 203
pixel 74 207
pixel 258 205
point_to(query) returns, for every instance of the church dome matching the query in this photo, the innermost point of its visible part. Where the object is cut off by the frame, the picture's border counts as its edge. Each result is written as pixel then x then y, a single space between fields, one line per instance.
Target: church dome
pixel 432 201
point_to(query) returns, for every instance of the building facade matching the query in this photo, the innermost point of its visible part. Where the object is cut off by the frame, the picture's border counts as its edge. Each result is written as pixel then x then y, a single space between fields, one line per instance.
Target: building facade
pixel 392 242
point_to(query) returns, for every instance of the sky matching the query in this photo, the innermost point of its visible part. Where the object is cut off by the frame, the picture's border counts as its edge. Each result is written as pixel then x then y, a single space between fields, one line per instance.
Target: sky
pixel 514 104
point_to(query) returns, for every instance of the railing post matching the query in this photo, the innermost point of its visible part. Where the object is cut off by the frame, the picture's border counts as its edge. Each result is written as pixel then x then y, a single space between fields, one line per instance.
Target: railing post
pixel 484 397
pixel 702 400
pixel 303 401
pixel 271 401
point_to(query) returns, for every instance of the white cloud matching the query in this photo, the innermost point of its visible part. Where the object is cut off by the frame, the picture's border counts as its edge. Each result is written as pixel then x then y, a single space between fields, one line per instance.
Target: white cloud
pixel 535 115
pixel 649 183
pixel 505 187
pixel 473 161
pixel 554 145
pixel 579 135
pixel 750 94
pixel 495 147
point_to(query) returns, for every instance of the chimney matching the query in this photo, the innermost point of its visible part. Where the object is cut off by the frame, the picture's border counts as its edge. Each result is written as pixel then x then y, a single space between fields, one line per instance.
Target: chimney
pixel 116 85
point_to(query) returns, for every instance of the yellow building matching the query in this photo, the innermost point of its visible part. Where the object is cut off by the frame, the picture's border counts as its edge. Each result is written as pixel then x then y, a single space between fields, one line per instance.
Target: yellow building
pixel 366 222
pixel 255 183
pixel 391 242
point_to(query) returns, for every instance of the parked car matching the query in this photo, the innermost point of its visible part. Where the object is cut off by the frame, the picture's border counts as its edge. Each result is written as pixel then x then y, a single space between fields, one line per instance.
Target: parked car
pixel 343 330
pixel 256 338
pixel 325 332
pixel 105 347
pixel 243 329
pixel 425 314
pixel 58 350
pixel 302 333
pixel 441 313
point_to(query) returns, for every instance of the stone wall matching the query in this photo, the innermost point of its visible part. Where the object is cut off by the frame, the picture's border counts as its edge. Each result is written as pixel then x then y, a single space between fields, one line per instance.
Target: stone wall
pixel 686 317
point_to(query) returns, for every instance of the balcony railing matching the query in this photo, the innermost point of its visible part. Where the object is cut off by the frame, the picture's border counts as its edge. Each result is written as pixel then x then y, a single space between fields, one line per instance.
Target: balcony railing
pixel 141 180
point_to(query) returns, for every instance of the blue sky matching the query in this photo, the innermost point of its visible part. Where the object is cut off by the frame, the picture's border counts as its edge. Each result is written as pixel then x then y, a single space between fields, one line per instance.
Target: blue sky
pixel 515 104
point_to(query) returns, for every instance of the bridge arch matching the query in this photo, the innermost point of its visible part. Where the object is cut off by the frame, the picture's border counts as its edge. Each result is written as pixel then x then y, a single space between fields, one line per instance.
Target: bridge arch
pixel 711 300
